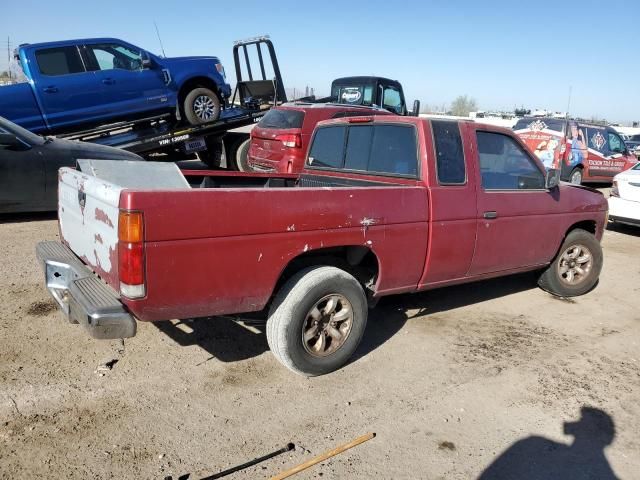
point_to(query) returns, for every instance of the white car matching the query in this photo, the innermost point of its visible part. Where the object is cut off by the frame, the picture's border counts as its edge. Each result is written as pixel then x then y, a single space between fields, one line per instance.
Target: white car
pixel 624 202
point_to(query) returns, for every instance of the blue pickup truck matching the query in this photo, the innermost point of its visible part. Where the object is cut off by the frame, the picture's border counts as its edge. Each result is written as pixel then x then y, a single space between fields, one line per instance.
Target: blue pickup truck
pixel 78 84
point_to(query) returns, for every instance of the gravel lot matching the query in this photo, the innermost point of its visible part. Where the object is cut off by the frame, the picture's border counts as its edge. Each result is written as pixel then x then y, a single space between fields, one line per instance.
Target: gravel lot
pixel 451 381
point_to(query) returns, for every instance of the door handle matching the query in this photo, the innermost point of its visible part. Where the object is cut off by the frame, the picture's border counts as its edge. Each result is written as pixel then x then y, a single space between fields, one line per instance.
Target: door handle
pixel 490 215
pixel 50 89
pixel 108 81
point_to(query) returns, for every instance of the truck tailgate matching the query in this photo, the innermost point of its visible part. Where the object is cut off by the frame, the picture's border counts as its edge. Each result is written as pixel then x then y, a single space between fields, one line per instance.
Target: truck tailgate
pixel 88 218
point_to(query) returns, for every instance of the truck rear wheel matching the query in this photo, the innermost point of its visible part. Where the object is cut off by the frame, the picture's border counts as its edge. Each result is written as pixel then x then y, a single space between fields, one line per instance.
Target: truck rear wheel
pixel 317 320
pixel 201 105
pixel 236 153
pixel 576 268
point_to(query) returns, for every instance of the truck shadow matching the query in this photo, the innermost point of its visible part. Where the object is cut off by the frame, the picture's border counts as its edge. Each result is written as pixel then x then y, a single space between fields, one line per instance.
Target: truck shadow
pixel 27 217
pixel 392 313
pixel 231 339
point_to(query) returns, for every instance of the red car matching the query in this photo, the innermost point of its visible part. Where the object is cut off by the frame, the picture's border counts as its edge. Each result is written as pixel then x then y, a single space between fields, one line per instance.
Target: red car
pixel 279 142
pixel 384 205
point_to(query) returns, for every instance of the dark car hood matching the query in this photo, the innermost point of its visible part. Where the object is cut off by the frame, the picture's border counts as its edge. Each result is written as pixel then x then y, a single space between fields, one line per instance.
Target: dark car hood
pixel 79 150
pixel 582 187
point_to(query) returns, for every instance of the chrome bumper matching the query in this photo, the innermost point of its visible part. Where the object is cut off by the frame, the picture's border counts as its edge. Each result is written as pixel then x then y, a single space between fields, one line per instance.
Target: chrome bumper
pixel 83 297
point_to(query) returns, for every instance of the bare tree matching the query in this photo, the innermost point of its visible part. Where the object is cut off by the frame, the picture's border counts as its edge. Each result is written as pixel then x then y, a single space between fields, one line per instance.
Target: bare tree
pixel 463 105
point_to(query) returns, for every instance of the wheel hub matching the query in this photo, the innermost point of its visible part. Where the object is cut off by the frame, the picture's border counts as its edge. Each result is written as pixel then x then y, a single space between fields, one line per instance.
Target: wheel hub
pixel 204 107
pixel 575 265
pixel 327 325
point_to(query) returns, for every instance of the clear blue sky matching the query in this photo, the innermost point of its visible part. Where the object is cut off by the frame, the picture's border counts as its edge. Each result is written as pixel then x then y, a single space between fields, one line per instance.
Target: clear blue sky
pixel 502 53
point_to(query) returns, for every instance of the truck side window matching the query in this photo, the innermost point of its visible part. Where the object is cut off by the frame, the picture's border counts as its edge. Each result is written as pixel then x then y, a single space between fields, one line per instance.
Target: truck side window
pixel 504 165
pixel 616 145
pixel 393 150
pixel 391 99
pixel 59 61
pixel 449 153
pixel 328 147
pixel 115 57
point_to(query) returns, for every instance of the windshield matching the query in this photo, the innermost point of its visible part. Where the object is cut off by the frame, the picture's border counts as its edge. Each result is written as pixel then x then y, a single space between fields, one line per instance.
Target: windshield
pixel 26 135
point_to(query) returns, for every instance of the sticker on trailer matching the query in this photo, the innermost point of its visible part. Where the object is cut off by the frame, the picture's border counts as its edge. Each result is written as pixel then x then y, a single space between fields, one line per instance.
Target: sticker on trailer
pixel 169 141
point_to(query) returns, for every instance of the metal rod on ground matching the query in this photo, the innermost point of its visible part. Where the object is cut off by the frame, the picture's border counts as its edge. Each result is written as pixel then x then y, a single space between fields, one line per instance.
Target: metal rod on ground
pixel 287 448
pixel 323 457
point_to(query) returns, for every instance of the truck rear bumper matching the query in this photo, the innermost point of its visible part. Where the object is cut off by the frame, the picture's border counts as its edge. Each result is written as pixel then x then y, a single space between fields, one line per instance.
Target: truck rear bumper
pixel 83 297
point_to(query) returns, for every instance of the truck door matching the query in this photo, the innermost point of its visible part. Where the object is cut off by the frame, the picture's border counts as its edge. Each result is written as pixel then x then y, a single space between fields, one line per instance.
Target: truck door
pixel 125 84
pixel 515 214
pixel 453 202
pixel 22 183
pixel 64 88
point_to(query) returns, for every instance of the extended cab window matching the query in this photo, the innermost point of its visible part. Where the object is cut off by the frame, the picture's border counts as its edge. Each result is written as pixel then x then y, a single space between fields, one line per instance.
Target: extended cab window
pixel 377 149
pixel 115 57
pixel 449 154
pixel 59 61
pixel 504 165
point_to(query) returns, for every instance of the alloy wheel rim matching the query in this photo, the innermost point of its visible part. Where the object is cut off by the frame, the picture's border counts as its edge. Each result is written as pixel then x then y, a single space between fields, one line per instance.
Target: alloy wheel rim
pixel 576 178
pixel 575 265
pixel 204 107
pixel 327 325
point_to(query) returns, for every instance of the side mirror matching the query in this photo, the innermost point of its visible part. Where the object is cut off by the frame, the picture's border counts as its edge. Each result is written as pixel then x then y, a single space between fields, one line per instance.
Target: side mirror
pixel 9 140
pixel 416 108
pixel 552 179
pixel 146 60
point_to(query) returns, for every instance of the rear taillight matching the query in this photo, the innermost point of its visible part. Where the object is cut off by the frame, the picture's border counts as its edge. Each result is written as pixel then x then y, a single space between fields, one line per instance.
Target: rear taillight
pixel 614 189
pixel 292 140
pixel 131 254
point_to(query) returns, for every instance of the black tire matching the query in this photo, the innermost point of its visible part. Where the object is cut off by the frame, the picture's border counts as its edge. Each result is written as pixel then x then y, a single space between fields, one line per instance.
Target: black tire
pixel 575 176
pixel 555 282
pixel 241 156
pixel 236 154
pixel 291 312
pixel 212 156
pixel 201 105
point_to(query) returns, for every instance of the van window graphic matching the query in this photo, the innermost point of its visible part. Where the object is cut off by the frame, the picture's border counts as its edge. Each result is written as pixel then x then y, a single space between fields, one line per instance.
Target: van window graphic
pixel 598 140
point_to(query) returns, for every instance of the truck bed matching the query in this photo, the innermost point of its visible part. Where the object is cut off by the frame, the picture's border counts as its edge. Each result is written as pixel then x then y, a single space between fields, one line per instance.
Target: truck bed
pixel 201 242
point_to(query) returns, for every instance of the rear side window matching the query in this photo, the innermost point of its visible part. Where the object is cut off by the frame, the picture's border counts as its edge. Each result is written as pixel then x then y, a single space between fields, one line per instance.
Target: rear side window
pixel 378 149
pixel 449 153
pixel 59 61
pixel 283 118
pixel 328 146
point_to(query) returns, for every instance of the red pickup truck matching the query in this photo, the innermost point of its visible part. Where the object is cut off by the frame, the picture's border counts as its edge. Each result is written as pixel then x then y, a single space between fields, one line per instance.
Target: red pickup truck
pixel 385 205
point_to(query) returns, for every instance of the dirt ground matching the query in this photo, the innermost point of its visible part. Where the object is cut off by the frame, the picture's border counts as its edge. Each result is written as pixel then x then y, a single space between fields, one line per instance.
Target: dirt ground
pixel 452 381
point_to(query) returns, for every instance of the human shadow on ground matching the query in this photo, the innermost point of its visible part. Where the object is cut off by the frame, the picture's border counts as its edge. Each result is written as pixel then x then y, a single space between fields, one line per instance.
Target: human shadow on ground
pixel 538 458
pixel 231 339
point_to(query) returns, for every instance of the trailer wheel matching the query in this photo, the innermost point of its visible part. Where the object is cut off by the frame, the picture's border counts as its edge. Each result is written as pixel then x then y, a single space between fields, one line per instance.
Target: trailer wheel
pixel 576 268
pixel 241 156
pixel 317 320
pixel 201 105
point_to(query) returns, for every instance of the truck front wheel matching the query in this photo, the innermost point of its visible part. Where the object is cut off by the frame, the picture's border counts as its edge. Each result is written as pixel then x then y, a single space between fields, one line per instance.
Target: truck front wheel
pixel 317 320
pixel 201 105
pixel 576 268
